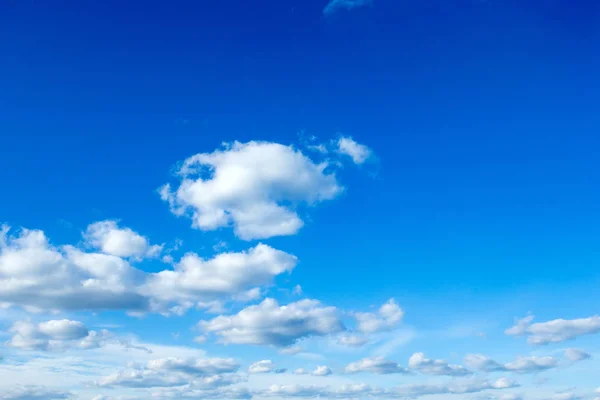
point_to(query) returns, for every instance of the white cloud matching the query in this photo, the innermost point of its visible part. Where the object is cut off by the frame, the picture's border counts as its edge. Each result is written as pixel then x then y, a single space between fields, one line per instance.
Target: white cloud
pixel 56 335
pixel 199 393
pixel 34 393
pixel 34 274
pixel 428 366
pixel 376 365
pixel 576 355
pixel 121 242
pixel 521 365
pixel 352 340
pixel 322 370
pixel 168 372
pixel 263 367
pixel 195 278
pixel 337 5
pixel 361 390
pixel 358 152
pixel 388 316
pixel 294 391
pixel 252 186
pixel 270 324
pixel 453 387
pixel 555 331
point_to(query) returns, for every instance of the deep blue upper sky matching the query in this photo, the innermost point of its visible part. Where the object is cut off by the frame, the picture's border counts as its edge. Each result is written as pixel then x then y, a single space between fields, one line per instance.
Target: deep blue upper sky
pixel 483 114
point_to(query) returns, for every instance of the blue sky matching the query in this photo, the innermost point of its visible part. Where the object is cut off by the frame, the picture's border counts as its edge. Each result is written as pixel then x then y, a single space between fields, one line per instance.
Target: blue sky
pixel 378 188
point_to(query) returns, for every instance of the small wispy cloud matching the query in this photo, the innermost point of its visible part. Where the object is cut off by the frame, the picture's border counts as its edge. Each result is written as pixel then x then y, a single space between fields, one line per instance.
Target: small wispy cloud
pixel 338 5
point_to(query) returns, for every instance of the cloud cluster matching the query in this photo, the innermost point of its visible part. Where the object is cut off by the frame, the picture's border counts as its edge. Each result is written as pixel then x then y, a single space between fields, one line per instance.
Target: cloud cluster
pixel 35 274
pixel 555 331
pixel 195 278
pixel 34 393
pixel 252 186
pixel 387 317
pixel 428 366
pixel 361 390
pixel 263 367
pixel 268 323
pixel 352 340
pixel 56 335
pixel 520 365
pixel 358 152
pixel 170 372
pixel 121 242
pixel 376 365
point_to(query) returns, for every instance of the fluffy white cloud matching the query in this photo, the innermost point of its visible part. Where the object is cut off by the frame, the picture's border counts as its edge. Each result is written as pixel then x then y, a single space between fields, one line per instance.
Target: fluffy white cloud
pixel 34 393
pixel 268 323
pixel 521 365
pixel 358 152
pixel 55 335
pixel 337 5
pixel 236 274
pixel 252 186
pixel 352 340
pixel 198 393
pixel 376 365
pixel 361 390
pixel 453 387
pixel 387 317
pixel 555 331
pixel 263 367
pixel 576 355
pixel 294 391
pixel 428 366
pixel 35 274
pixel 322 370
pixel 168 372
pixel 121 242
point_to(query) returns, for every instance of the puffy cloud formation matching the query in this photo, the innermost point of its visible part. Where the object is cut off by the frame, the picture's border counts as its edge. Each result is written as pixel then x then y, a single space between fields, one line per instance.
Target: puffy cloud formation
pixel 376 365
pixel 427 366
pixel 352 340
pixel 197 392
pixel 35 274
pixel 55 335
pixel 453 387
pixel 361 390
pixel 268 323
pixel 263 367
pixel 295 391
pixel 337 5
pixel 169 372
pixel 556 331
pixel 576 355
pixel 121 242
pixel 322 370
pixel 521 365
pixel 194 278
pixel 387 317
pixel 34 393
pixel 358 152
pixel 251 186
